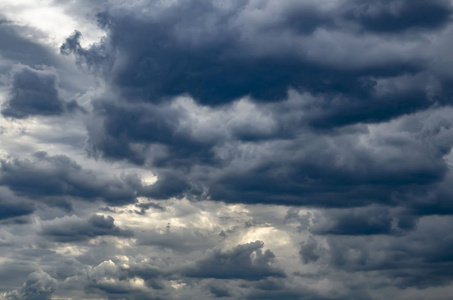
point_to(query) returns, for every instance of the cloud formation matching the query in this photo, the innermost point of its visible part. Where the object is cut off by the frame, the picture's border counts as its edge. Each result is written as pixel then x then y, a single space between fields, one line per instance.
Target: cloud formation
pixel 67 231
pixel 237 264
pixel 33 92
pixel 58 177
pixel 155 156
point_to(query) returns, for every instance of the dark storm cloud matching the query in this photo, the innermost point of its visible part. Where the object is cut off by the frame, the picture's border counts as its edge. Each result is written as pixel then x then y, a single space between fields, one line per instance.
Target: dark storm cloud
pixel 219 292
pixel 418 258
pixel 68 231
pixel 154 57
pixel 12 208
pixel 213 64
pixel 34 92
pixel 58 179
pixel 352 221
pixel 303 18
pixel 421 258
pixel 335 168
pixel 246 262
pixel 395 16
pixel 168 65
pixel 164 134
pixel 124 126
pixel 334 171
pixel 341 107
pixel 219 68
pixel 436 200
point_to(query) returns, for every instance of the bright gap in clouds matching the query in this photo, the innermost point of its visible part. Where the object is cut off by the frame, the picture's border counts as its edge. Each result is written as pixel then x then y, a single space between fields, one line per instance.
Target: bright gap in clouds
pixel 54 22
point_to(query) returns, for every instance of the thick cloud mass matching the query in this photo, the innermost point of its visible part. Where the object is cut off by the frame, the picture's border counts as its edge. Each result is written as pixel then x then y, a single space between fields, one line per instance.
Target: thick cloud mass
pixel 52 177
pixel 12 207
pixel 237 263
pixel 236 149
pixel 80 230
pixel 33 93
pixel 300 153
pixel 395 16
pixel 38 286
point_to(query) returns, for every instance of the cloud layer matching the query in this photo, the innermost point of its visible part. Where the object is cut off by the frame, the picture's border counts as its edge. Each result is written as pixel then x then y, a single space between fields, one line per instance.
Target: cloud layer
pixel 242 149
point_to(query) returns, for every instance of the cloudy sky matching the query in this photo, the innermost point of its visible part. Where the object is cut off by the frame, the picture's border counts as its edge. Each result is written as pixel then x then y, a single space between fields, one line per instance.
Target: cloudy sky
pixel 231 149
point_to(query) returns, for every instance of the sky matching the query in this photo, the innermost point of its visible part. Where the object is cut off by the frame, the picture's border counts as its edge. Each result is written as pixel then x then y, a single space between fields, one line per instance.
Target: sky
pixel 226 149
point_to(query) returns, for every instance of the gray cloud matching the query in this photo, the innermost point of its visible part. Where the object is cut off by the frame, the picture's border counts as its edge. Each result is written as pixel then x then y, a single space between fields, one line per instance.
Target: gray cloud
pixel 246 261
pixel 77 230
pixel 38 286
pixel 219 292
pixel 57 178
pixel 309 251
pixel 390 17
pixel 33 92
pixel 19 49
pixel 316 161
pixel 354 221
pixel 406 259
pixel 13 207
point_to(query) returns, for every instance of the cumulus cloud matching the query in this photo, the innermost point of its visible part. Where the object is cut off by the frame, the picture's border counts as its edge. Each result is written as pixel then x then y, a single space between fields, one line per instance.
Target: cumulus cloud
pixel 406 259
pixel 34 92
pixel 219 292
pixel 304 104
pixel 38 286
pixel 73 230
pixel 57 178
pixel 246 261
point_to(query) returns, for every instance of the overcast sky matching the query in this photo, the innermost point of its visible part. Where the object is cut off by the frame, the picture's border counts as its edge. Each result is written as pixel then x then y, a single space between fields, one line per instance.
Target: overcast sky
pixel 231 149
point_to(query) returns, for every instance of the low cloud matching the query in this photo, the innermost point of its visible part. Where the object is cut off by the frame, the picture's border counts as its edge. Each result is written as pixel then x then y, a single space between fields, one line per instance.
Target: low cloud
pixel 56 179
pixel 246 261
pixel 77 230
pixel 34 93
